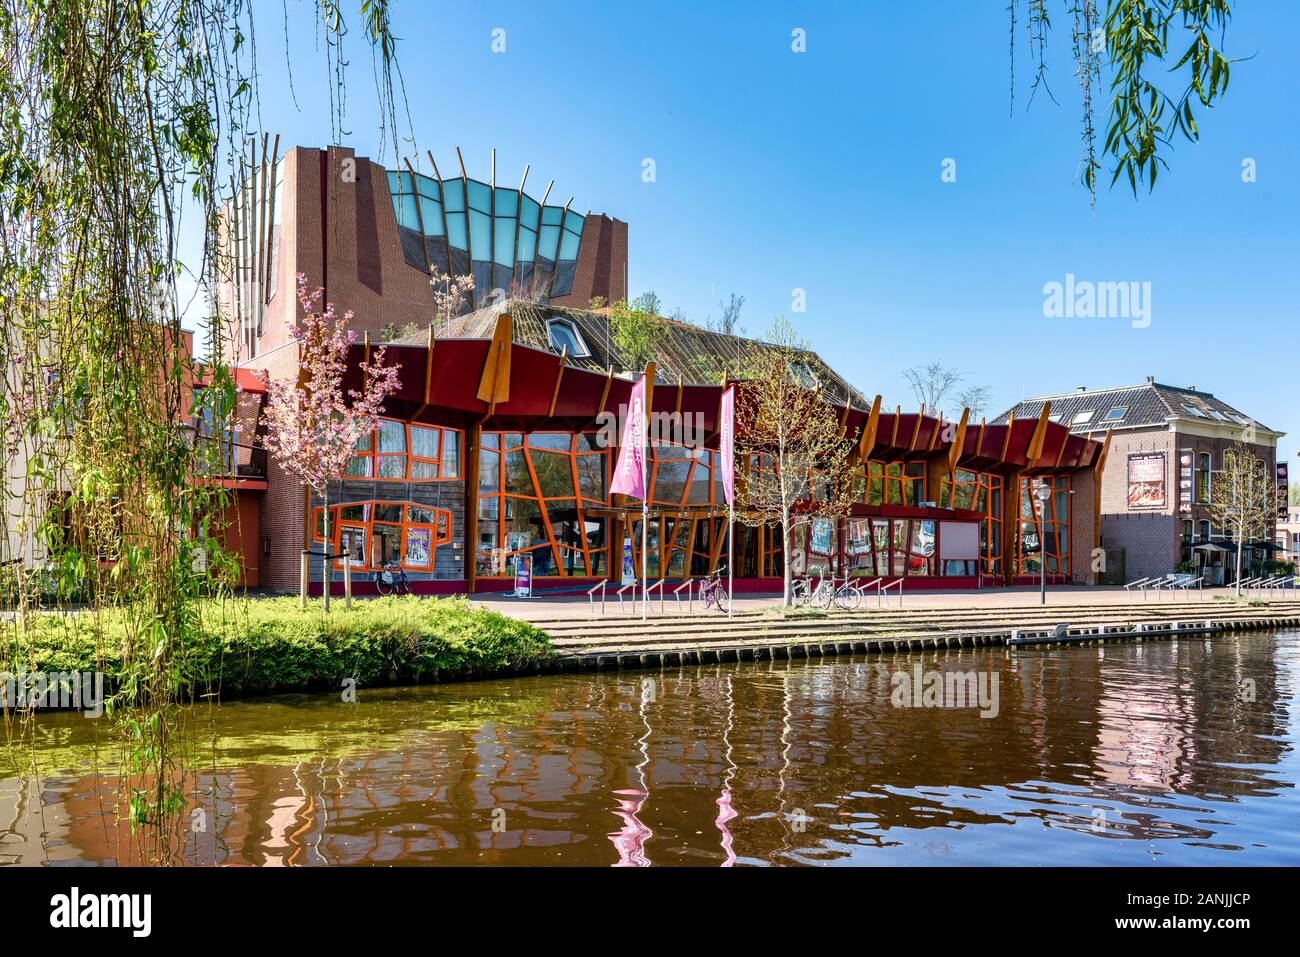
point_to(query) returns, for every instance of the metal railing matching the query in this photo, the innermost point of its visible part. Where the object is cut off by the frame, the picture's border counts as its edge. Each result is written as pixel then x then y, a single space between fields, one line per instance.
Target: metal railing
pixel 591 597
pixel 1186 586
pixel 619 593
pixel 660 585
pixel 689 585
pixel 881 592
pixel 1142 583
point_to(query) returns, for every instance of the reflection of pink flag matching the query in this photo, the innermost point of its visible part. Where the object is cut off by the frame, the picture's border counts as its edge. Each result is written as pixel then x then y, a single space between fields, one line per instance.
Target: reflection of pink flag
pixel 726 445
pixel 631 838
pixel 629 471
pixel 725 813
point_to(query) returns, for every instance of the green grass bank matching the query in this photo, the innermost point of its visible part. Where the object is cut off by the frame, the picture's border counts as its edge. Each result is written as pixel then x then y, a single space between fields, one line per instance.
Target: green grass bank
pixel 259 646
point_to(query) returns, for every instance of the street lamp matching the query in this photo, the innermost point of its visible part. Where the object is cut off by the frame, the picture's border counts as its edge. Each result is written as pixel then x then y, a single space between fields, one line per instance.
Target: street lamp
pixel 1044 492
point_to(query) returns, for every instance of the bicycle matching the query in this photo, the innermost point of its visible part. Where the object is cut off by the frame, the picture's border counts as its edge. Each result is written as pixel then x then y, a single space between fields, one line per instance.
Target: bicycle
pixel 712 592
pixel 391 579
pixel 847 596
pixel 802 591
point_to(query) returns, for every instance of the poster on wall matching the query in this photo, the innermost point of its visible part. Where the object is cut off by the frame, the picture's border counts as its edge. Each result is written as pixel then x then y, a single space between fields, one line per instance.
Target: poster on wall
pixel 821 536
pixel 1283 491
pixel 1146 480
pixel 419 544
pixel 523 576
pixel 1185 472
pixel 629 569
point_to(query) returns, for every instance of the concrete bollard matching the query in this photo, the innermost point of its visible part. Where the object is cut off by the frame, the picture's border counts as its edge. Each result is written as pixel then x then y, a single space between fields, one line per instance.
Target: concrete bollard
pixel 304 576
pixel 347 581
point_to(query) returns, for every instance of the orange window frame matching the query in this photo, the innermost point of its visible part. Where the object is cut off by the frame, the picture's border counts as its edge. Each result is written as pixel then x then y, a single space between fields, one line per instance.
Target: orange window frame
pixel 374 456
pixel 441 531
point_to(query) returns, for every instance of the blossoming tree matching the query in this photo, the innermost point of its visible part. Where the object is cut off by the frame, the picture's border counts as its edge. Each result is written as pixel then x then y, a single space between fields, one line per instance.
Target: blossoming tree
pixel 313 423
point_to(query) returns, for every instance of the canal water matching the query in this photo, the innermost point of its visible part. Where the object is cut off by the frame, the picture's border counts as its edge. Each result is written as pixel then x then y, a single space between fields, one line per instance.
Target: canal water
pixel 1171 752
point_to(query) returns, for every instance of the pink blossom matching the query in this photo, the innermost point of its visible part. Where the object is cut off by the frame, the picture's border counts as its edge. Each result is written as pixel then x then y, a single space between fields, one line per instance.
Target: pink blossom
pixel 313 424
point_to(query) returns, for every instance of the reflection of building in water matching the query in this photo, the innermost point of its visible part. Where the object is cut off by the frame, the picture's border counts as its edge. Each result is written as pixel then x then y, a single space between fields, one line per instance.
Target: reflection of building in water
pixel 712 765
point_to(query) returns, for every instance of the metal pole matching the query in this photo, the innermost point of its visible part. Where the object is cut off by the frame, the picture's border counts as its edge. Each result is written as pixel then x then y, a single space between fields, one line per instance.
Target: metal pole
pixel 731 564
pixel 645 518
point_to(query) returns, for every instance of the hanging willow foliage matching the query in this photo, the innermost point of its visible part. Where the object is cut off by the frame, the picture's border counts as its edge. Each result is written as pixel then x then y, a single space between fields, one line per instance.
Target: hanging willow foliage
pixel 1136 39
pixel 118 118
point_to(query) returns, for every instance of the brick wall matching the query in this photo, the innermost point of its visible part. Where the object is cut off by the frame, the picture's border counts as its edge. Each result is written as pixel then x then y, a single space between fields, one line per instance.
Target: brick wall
pixel 1149 537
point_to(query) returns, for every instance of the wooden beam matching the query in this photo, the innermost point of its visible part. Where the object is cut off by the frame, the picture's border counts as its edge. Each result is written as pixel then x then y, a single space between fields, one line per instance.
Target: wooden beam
pixel 898 414
pixel 916 432
pixel 868 439
pixel 1060 456
pixel 934 433
pixel 559 377
pixel 604 396
pixel 1101 458
pixel 494 383
pixel 649 396
pixel 959 441
pixel 1006 439
pixel 678 408
pixel 428 367
pixel 1035 447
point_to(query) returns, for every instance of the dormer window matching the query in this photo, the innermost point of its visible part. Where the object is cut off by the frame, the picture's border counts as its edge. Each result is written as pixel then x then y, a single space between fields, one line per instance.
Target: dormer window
pixel 564 335
pixel 803 374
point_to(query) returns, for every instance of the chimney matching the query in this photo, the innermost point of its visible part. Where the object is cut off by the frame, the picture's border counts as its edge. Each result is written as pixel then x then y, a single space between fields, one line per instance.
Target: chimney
pixel 1191 388
pixel 1151 380
pixel 1082 388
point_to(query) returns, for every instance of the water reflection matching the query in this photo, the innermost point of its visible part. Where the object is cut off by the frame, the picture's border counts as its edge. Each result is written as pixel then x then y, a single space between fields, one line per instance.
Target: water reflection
pixel 1168 752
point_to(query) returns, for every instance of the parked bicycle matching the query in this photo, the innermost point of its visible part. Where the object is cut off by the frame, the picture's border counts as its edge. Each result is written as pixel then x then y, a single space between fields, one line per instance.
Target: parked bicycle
pixel 847 595
pixel 712 593
pixel 803 591
pixel 391 579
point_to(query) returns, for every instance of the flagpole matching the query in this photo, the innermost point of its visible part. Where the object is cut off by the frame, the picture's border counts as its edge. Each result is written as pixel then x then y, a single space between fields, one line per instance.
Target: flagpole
pixel 645 537
pixel 731 562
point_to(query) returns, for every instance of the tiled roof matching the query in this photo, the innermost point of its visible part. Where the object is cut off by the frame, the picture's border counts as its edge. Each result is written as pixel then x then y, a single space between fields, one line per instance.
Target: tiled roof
pixel 697 356
pixel 1149 404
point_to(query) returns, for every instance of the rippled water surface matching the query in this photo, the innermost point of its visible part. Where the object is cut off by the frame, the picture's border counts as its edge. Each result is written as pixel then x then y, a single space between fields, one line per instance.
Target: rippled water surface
pixel 1178 752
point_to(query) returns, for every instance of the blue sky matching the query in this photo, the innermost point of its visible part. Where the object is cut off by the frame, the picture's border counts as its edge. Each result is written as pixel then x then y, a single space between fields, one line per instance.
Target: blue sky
pixel 821 171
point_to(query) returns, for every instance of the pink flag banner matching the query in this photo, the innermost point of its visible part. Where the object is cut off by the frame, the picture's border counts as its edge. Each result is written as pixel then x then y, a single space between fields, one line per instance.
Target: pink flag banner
pixel 629 470
pixel 727 444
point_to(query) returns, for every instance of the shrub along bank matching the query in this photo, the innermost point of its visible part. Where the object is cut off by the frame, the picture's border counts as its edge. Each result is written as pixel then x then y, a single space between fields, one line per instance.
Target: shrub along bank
pixel 270 645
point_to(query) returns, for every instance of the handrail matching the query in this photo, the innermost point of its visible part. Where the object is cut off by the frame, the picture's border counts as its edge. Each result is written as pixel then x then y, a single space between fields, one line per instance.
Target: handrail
pixel 632 585
pixel 689 585
pixel 881 591
pixel 660 585
pixel 1186 586
pixel 591 597
pixel 1142 583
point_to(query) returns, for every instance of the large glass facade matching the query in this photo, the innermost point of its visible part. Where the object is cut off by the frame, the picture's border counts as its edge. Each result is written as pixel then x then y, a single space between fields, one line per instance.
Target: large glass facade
pixel 1044 527
pixel 536 495
pixel 979 492
pixel 502 237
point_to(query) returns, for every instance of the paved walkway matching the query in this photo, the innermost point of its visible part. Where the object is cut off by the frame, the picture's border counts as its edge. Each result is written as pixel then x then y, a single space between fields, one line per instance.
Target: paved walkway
pixel 553 607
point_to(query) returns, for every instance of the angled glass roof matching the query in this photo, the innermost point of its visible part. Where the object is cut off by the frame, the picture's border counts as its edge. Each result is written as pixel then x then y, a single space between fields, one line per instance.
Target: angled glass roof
pixel 503 237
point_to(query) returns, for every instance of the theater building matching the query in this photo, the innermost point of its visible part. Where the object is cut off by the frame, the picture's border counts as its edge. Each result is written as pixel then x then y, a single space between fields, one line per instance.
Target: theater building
pixel 1167 444
pixel 492 449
